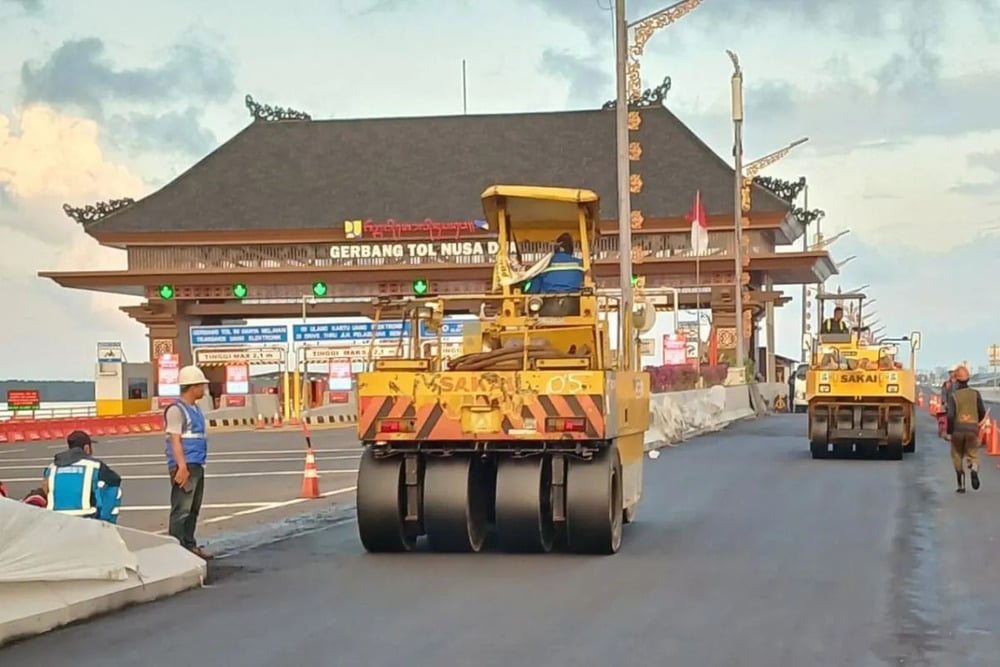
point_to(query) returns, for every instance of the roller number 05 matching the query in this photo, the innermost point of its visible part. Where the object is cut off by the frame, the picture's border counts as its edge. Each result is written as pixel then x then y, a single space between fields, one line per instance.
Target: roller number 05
pixel 568 384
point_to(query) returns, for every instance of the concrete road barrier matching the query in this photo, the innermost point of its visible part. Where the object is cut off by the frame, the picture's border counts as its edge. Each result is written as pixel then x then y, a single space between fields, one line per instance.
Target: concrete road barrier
pixel 57 569
pixel 676 416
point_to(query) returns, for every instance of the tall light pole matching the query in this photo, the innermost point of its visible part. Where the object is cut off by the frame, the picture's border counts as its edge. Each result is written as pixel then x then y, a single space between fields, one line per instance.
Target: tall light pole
pixel 628 89
pixel 737 108
pixel 624 195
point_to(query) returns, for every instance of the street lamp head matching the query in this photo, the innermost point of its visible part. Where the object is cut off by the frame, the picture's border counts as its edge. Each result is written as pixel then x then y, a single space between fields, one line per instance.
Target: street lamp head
pixel 798 143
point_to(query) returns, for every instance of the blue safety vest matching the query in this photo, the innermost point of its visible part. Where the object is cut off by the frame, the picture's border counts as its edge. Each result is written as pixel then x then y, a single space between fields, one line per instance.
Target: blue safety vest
pixel 194 438
pixel 563 275
pixel 109 501
pixel 74 489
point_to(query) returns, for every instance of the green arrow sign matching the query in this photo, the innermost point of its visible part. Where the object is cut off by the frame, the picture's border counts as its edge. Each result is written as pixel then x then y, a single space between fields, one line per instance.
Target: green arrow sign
pixel 240 290
pixel 166 291
pixel 420 287
pixel 319 288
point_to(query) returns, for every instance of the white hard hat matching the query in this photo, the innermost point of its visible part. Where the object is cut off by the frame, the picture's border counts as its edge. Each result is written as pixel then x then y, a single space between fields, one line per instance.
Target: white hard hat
pixel 191 375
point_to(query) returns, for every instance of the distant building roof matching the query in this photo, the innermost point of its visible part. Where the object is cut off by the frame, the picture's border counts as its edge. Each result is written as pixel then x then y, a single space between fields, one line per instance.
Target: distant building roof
pixel 304 174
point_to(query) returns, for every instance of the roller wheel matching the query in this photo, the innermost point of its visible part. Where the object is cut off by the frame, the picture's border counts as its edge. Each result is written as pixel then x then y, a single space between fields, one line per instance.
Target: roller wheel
pixel 894 433
pixel 630 513
pixel 524 504
pixel 594 512
pixel 819 436
pixel 381 503
pixel 455 504
pixel 912 447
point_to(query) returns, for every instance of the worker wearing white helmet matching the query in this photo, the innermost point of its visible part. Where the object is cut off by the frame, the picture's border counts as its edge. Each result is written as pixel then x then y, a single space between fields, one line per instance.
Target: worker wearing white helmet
pixel 187 450
pixel 966 412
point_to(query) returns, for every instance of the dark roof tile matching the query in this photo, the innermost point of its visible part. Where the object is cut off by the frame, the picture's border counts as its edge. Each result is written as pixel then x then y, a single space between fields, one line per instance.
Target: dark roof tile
pixel 314 174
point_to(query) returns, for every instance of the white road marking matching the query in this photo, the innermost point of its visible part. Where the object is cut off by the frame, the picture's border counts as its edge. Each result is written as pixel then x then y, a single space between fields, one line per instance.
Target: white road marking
pixel 269 506
pixel 214 462
pixel 209 506
pixel 217 475
pixel 212 456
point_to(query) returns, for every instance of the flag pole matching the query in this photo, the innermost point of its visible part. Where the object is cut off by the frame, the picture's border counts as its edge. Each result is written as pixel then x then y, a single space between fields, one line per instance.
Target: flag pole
pixel 697 283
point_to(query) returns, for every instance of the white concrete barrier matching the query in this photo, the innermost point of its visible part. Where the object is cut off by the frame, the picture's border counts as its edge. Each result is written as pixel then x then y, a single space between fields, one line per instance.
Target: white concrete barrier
pixel 57 569
pixel 675 416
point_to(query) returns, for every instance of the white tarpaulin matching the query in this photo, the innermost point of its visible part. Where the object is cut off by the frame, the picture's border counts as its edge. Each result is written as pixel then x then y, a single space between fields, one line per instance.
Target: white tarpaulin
pixel 40 545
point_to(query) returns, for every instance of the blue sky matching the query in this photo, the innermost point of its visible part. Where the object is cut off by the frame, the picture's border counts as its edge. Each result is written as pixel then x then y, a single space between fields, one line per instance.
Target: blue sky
pixel 110 98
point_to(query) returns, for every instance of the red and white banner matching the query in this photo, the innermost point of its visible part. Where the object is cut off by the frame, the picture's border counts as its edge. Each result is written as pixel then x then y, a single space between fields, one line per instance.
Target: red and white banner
pixel 674 350
pixel 168 375
pixel 339 381
pixel 237 379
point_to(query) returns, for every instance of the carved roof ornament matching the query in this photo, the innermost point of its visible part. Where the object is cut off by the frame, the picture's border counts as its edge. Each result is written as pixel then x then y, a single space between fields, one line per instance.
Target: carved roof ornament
pixel 94 212
pixel 267 113
pixel 649 99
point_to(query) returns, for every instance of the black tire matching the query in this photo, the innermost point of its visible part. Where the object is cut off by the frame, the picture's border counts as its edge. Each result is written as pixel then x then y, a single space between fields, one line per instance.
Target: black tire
pixel 456 508
pixel 524 504
pixel 594 512
pixel 381 505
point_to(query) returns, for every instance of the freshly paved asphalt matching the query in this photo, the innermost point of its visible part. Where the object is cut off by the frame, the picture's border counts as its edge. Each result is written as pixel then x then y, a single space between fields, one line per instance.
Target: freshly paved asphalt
pixel 252 477
pixel 746 553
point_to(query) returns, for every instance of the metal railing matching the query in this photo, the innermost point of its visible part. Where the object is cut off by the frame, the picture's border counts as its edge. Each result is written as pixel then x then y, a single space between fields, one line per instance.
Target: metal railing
pixel 60 412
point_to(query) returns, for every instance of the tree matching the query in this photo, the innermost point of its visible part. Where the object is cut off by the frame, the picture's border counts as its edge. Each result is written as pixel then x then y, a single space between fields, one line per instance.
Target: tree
pixel 790 191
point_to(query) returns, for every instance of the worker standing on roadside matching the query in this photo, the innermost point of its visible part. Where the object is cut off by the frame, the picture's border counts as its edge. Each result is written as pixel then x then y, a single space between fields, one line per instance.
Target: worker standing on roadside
pixel 187 450
pixel 965 412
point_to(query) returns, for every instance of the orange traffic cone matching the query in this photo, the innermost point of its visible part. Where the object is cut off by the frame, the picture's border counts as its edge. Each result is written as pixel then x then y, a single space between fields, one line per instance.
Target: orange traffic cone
pixel 994 444
pixel 310 478
pixel 260 420
pixel 277 419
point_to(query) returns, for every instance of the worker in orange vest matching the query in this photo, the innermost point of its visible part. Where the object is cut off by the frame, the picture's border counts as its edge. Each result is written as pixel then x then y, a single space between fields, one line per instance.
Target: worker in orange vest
pixel 965 412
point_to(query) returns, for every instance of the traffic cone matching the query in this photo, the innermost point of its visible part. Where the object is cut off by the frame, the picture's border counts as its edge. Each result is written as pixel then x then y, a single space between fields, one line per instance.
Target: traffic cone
pixel 994 446
pixel 277 419
pixel 260 421
pixel 310 478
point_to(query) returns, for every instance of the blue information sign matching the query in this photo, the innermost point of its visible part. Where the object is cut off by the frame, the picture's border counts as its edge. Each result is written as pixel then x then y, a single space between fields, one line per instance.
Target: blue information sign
pixel 213 336
pixel 349 331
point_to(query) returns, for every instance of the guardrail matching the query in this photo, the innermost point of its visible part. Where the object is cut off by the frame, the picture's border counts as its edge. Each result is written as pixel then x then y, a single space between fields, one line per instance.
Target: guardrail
pixel 72 412
pixel 21 430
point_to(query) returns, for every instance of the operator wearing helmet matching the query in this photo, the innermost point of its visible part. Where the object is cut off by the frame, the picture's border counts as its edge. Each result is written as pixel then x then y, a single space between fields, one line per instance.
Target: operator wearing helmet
pixel 965 412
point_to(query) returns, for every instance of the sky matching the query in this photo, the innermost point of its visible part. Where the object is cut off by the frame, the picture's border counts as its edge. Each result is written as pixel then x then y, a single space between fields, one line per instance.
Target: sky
pixel 899 99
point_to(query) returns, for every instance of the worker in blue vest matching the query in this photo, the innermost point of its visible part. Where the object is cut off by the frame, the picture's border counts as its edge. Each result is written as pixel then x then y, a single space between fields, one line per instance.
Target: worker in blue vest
pixel 186 450
pixel 79 484
pixel 563 275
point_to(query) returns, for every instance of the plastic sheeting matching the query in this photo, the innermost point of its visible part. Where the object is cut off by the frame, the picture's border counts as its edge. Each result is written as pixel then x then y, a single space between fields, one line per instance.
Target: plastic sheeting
pixel 40 545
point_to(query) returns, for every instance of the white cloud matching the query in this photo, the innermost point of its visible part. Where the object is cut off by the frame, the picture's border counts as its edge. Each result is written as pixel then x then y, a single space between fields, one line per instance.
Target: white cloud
pixel 47 158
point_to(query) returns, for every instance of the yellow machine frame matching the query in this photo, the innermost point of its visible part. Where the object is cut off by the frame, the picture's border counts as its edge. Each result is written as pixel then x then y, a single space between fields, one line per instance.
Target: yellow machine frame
pixel 859 395
pixel 533 400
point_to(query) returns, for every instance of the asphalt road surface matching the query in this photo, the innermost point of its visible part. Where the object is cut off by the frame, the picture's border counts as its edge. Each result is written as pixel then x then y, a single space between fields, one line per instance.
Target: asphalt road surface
pixel 746 553
pixel 251 477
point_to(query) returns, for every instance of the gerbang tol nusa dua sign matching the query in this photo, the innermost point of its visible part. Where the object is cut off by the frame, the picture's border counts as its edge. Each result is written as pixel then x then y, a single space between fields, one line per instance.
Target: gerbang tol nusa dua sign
pixel 443 250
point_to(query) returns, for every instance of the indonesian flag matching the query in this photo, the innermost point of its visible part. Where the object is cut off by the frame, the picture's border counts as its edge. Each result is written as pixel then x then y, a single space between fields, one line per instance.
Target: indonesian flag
pixel 699 226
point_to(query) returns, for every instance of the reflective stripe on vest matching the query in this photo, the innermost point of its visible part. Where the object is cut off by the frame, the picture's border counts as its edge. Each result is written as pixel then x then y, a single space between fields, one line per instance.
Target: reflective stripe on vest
pixel 194 438
pixel 72 487
pixel 562 267
pixel 966 410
